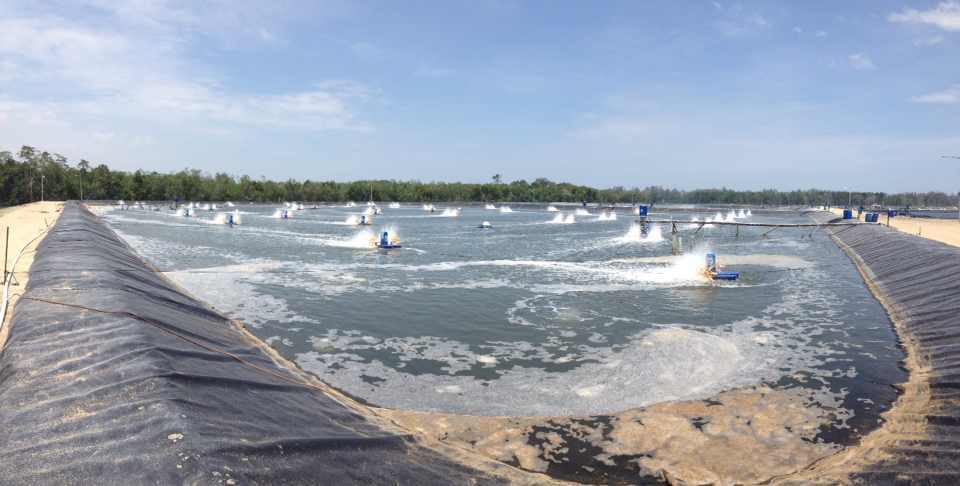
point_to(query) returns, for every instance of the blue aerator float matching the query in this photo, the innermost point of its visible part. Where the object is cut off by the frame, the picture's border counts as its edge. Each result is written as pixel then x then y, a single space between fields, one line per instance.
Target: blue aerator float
pixel 386 243
pixel 712 269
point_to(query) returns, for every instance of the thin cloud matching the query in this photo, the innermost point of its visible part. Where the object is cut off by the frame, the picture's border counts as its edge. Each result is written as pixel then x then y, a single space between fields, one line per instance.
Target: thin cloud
pixel 945 15
pixel 861 62
pixel 129 70
pixel 948 96
pixel 929 41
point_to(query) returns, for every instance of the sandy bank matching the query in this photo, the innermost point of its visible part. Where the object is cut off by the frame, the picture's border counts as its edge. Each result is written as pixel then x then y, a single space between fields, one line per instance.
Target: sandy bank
pixel 942 230
pixel 25 222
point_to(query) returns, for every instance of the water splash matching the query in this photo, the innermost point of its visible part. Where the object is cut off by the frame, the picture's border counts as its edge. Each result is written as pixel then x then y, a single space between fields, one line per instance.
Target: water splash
pixel 582 212
pixel 552 209
pixel 279 213
pixel 362 239
pixel 607 216
pixel 394 205
pixel 490 206
pixel 561 219
pixel 694 220
pixel 505 209
pixel 450 213
pixel 634 235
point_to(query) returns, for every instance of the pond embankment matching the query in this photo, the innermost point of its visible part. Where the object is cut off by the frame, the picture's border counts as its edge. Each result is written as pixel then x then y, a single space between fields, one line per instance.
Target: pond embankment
pixel 916 280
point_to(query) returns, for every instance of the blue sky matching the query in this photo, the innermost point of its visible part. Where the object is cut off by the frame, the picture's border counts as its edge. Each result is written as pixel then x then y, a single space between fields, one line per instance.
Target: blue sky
pixel 861 94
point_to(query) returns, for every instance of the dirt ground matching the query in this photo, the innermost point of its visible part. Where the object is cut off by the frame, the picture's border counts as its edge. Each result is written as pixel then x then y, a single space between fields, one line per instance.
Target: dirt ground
pixel 25 222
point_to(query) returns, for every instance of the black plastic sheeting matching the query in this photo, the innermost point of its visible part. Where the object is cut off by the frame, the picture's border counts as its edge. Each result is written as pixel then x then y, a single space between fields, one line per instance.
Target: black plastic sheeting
pixel 920 280
pixel 148 398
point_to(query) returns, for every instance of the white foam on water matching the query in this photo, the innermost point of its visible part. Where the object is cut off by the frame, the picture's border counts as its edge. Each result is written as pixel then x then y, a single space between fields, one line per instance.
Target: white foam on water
pixel 761 259
pixel 232 290
pixel 607 216
pixel 552 209
pixel 598 276
pixel 450 213
pixel 505 209
pixel 582 212
pixel 561 219
pixel 671 363
pixel 489 206
pixel 666 362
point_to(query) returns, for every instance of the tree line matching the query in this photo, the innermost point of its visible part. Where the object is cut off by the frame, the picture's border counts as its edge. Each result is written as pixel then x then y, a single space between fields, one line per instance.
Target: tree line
pixel 31 174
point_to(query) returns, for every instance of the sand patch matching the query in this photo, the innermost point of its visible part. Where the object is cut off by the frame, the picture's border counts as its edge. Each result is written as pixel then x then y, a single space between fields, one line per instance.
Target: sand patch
pixel 687 442
pixel 25 222
pixel 942 230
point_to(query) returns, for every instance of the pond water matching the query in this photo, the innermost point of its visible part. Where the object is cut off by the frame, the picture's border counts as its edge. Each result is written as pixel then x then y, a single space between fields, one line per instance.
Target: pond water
pixel 540 314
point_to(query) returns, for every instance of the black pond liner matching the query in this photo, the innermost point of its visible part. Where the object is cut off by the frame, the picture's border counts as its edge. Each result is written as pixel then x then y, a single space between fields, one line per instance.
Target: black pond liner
pixel 920 279
pixel 150 398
